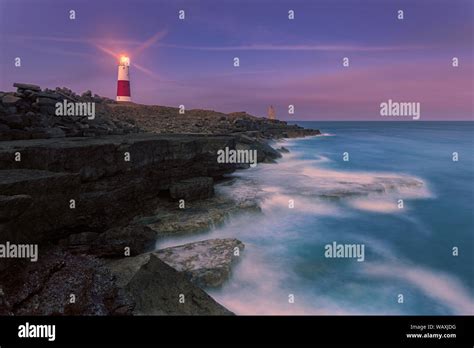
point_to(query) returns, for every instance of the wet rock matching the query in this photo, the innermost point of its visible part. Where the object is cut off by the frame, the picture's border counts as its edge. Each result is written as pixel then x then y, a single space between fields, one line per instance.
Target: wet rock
pixel 198 217
pixel 265 153
pixel 207 263
pixel 283 149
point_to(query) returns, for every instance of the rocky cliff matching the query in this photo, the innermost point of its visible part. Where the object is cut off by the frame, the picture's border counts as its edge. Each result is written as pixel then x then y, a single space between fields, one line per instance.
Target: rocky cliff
pixel 93 192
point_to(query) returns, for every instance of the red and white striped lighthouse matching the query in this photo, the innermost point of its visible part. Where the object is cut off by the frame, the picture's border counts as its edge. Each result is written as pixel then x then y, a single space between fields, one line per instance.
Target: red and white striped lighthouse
pixel 123 82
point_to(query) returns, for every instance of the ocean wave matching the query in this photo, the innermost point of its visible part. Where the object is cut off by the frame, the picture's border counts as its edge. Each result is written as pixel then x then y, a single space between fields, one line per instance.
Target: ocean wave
pixel 305 179
pixel 274 264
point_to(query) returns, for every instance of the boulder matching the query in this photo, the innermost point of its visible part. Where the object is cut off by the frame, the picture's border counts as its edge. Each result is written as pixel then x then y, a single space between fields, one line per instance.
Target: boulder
pixel 158 289
pixel 45 287
pixel 10 99
pixel 87 94
pixel 27 86
pixel 207 263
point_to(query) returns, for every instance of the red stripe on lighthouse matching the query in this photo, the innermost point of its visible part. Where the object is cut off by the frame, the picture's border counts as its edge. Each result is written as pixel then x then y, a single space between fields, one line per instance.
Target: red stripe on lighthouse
pixel 123 88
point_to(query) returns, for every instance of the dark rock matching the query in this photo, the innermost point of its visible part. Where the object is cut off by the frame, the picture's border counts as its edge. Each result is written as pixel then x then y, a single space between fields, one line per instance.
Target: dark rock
pixel 27 86
pixel 45 287
pixel 157 288
pixel 283 149
pixel 265 153
pixel 80 239
pixel 108 190
pixel 55 132
pixel 46 102
pixel 10 99
pixel 14 121
pixel 13 206
pixel 12 109
pixel 48 95
pixel 113 242
pixel 87 94
pixel 192 189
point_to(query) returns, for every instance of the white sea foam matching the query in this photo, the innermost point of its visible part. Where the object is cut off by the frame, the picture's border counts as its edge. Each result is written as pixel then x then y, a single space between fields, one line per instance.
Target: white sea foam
pixel 376 205
pixel 278 203
pixel 447 290
pixel 263 278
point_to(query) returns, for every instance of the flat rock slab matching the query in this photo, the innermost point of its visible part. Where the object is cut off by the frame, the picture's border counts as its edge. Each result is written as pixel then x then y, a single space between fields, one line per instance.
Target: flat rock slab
pixel 96 157
pixel 27 86
pixel 198 217
pixel 207 263
pixel 30 181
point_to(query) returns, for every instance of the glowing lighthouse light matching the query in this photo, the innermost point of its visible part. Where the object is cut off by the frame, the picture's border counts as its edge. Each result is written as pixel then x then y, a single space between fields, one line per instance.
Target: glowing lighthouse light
pixel 123 81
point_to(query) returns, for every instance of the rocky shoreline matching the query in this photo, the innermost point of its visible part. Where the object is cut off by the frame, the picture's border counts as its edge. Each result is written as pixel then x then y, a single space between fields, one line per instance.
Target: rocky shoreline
pixel 96 193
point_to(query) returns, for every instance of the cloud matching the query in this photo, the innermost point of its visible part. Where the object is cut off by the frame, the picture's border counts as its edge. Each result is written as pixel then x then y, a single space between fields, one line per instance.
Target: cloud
pixel 312 47
pixel 95 40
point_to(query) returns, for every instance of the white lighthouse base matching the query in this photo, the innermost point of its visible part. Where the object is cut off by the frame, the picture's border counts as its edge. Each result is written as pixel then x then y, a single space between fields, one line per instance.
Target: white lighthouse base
pixel 124 99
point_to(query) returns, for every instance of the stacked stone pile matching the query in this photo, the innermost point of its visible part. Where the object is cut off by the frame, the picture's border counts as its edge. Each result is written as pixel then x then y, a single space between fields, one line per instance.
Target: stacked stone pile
pixel 29 113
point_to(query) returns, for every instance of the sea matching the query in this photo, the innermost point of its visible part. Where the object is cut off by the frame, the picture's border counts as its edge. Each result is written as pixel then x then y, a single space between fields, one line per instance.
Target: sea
pixel 402 190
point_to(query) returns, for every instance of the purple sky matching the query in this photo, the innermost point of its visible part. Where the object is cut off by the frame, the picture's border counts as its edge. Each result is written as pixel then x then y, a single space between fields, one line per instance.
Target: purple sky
pixel 282 62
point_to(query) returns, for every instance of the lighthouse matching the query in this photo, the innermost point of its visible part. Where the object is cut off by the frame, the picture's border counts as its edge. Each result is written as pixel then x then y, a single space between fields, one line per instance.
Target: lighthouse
pixel 271 112
pixel 123 81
